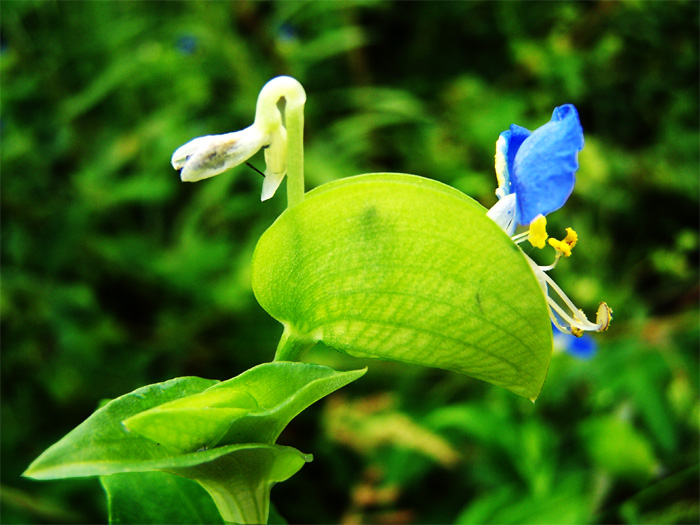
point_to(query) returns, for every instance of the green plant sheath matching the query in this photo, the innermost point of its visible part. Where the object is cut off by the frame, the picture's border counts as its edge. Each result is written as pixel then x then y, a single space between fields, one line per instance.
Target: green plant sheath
pixel 220 434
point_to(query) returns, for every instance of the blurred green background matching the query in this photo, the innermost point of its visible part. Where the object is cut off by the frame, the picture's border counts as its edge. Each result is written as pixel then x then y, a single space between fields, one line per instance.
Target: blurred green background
pixel 115 274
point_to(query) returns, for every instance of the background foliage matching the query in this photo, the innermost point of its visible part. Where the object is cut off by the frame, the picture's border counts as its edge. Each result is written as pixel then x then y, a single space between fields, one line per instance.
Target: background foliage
pixel 116 275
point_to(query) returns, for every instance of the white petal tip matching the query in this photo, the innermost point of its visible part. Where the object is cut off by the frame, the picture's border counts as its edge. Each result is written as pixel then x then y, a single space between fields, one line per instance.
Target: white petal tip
pixel 267 193
pixel 271 183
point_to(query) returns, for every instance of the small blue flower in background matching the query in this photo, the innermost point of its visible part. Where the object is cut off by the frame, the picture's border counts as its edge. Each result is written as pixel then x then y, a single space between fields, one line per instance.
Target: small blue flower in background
pixel 287 33
pixel 583 347
pixel 186 44
pixel 536 170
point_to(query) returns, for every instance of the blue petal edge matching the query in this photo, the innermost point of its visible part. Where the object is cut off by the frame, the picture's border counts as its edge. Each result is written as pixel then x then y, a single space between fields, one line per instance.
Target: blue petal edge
pixel 507 147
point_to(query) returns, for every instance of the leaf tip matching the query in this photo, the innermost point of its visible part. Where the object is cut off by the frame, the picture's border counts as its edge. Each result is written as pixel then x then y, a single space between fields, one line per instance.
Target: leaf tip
pixel 33 472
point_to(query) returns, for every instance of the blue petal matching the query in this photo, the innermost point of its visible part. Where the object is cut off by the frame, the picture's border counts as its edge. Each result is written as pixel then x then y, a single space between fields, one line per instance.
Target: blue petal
pixel 507 146
pixel 583 347
pixel 542 174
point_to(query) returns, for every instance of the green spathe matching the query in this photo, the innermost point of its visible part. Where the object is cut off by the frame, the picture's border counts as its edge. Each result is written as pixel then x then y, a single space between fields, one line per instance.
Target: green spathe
pixel 101 445
pixel 399 267
pixel 253 407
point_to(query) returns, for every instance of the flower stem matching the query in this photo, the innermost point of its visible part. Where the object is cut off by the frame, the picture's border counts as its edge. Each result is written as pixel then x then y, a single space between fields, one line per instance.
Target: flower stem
pixel 294 117
pixel 292 345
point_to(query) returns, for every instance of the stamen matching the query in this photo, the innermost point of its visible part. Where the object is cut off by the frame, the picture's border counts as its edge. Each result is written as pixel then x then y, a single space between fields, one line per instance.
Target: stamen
pixel 517 239
pixel 553 265
pixel 556 323
pixel 574 321
pixel 578 319
pixel 575 326
pixel 604 316
pixel 537 234
pixel 565 245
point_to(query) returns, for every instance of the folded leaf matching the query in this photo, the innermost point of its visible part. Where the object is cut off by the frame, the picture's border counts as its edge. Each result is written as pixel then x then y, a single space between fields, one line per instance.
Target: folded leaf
pixel 101 445
pixel 238 477
pixel 253 407
pixel 399 267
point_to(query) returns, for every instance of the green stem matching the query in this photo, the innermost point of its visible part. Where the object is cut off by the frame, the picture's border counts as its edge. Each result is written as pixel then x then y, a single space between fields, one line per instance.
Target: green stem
pixel 292 345
pixel 233 510
pixel 239 480
pixel 294 117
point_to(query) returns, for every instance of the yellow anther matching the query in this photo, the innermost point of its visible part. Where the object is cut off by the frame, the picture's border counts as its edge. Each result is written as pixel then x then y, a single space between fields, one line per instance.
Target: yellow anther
pixel 565 245
pixel 538 232
pixel 603 317
pixel 576 331
pixel 571 237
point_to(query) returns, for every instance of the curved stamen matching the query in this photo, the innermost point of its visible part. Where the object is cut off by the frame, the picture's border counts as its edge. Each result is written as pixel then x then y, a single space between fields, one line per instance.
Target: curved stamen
pixel 517 239
pixel 575 321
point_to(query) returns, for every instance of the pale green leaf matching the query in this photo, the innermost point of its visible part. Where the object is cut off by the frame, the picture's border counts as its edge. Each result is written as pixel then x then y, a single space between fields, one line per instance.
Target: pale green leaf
pixel 262 402
pixel 101 445
pixel 253 407
pixel 404 268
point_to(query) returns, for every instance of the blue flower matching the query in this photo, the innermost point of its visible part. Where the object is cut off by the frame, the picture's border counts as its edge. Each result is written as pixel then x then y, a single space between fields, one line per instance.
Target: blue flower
pixel 583 347
pixel 186 44
pixel 536 170
pixel 536 174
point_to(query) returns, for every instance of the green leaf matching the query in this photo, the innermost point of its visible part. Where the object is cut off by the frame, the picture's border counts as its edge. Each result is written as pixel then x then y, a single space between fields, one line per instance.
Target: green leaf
pixel 399 267
pixel 616 447
pixel 101 445
pixel 157 497
pixel 253 407
pixel 238 476
pixel 263 400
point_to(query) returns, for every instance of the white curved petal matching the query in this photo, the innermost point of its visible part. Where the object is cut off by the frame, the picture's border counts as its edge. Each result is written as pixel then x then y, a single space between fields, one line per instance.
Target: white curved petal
pixel 185 151
pixel 275 162
pixel 503 213
pixel 210 155
pixel 270 185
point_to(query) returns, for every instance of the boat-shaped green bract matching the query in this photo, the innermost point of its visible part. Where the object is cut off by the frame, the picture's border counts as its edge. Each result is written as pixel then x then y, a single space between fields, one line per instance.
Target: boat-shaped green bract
pixel 404 268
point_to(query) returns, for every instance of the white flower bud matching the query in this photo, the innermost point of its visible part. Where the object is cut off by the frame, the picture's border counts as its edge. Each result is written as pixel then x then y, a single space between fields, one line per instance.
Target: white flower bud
pixel 210 155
